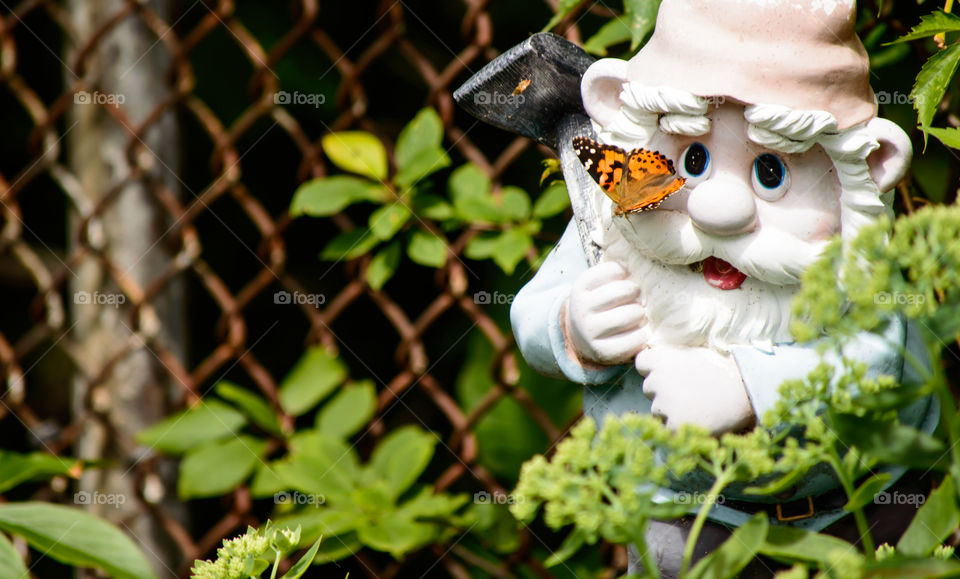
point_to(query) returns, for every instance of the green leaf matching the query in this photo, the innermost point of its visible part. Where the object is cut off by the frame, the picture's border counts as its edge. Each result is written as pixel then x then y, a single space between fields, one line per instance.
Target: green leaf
pixel 266 482
pixel 76 538
pixel 337 548
pixel 949 137
pixel 433 207
pixel 349 245
pixel 642 15
pixel 936 22
pixel 553 201
pixel 470 190
pixel 888 442
pixel 506 435
pixel 511 247
pixel 427 505
pixel 791 545
pixel 10 563
pixel 349 410
pixel 514 204
pixel 865 493
pixel 394 534
pixel 206 422
pixel 329 195
pixel 900 568
pixel 427 249
pixel 613 32
pixel 301 566
pixel 482 246
pixel 357 152
pixel 216 469
pixel 571 544
pixel 474 202
pixel 496 525
pixel 16 468
pixel 734 554
pixel 313 377
pixel 383 265
pixel 254 406
pixel 423 133
pixel 564 7
pixel 401 456
pixel 386 221
pixel 425 163
pixel 320 464
pixel 936 519
pixel 932 83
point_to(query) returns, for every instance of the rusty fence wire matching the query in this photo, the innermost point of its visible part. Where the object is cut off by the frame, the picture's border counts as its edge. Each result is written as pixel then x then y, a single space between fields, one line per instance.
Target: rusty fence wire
pixel 146 157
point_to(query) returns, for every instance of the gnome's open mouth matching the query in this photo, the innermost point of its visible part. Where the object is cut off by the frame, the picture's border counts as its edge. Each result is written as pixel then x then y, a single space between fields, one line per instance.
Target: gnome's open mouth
pixel 720 274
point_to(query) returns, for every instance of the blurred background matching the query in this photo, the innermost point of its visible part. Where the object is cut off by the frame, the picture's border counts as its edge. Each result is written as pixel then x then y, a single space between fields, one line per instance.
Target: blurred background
pixel 150 152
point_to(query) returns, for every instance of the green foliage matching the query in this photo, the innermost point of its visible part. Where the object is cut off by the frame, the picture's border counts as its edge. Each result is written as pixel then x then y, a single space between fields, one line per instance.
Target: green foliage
pixel 603 483
pixel 412 215
pixel 317 480
pixel 73 537
pixel 249 555
pixel 938 72
pixel 635 24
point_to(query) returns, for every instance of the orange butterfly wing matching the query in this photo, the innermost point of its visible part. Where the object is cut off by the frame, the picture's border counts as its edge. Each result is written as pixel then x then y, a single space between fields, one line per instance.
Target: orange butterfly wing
pixel 635 182
pixel 651 178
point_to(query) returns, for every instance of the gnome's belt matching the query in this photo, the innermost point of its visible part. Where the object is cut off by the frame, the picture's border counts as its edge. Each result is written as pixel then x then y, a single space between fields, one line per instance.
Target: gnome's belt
pixel 794 510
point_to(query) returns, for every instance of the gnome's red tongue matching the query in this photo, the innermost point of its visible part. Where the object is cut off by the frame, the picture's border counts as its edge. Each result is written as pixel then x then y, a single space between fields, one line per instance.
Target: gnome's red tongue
pixel 721 274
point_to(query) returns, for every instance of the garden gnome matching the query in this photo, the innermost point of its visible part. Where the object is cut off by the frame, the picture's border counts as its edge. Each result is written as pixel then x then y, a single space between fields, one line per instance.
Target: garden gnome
pixel 765 109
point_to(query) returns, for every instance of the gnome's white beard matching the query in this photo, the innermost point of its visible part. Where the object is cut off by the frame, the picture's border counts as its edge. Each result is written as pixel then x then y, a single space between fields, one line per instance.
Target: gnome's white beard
pixel 657 249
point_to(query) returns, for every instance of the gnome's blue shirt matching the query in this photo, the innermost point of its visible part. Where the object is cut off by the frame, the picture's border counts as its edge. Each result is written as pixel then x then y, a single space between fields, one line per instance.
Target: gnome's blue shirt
pixel 535 316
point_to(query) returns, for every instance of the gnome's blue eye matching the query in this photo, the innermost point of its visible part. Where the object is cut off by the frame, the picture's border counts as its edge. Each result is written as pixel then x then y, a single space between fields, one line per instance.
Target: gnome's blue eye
pixel 695 163
pixel 770 177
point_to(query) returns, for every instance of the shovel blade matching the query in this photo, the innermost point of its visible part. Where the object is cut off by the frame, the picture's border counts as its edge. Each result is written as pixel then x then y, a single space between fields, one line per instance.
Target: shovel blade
pixel 528 89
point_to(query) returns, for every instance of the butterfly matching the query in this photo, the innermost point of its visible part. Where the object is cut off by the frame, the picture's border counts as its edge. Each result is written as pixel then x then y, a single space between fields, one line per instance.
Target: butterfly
pixel 634 181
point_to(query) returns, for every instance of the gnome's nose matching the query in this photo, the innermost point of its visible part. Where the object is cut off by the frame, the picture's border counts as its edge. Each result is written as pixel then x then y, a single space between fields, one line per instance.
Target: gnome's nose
pixel 722 205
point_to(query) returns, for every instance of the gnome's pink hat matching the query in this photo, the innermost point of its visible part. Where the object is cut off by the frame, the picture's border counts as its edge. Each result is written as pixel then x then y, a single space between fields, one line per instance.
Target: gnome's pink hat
pixel 803 54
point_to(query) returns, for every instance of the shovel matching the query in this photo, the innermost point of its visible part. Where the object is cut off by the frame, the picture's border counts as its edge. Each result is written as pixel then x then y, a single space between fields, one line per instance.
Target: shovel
pixel 533 90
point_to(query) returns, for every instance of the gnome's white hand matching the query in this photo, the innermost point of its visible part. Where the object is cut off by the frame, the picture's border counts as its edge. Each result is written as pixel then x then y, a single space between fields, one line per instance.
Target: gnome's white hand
pixel 604 318
pixel 695 386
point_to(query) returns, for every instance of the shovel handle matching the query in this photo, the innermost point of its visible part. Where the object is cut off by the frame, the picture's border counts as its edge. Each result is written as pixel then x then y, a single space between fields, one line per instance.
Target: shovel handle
pixel 580 186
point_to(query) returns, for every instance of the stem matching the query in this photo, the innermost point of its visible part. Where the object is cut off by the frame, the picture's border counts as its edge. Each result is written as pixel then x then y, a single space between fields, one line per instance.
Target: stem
pixel 649 565
pixel 718 485
pixel 941 38
pixel 948 414
pixel 276 565
pixel 846 481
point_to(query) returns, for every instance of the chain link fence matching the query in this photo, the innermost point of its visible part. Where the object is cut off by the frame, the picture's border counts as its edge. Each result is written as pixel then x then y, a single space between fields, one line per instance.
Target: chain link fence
pixel 150 151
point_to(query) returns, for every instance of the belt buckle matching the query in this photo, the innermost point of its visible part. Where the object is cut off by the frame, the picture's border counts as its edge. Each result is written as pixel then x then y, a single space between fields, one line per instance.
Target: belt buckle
pixel 806 515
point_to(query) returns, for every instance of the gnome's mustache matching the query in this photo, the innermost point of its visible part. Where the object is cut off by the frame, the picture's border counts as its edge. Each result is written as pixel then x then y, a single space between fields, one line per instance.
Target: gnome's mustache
pixel 767 254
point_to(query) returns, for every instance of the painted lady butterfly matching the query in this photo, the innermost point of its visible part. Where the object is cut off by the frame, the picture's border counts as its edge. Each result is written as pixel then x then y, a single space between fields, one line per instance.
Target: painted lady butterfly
pixel 635 182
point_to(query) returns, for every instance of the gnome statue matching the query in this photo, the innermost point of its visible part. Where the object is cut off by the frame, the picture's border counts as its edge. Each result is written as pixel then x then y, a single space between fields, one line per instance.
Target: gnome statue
pixel 767 144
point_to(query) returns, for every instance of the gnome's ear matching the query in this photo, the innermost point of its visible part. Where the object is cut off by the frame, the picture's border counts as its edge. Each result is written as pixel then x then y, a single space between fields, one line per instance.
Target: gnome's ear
pixel 889 163
pixel 601 87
